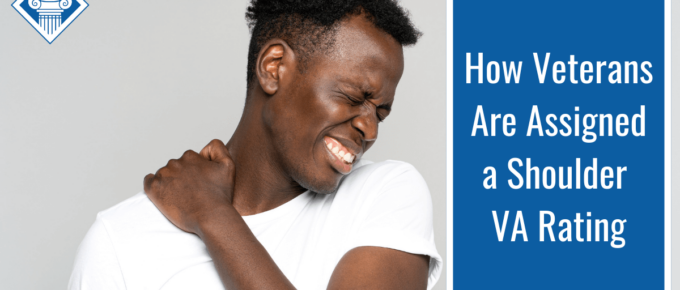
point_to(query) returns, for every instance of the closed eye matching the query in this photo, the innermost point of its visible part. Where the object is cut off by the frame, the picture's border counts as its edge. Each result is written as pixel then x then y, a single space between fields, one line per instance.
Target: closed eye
pixel 354 100
pixel 382 112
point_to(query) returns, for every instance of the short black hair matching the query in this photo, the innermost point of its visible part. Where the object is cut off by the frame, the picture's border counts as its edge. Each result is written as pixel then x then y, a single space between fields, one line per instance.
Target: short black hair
pixel 309 26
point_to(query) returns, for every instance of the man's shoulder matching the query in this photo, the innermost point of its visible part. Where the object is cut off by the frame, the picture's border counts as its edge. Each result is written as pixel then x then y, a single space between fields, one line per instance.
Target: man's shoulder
pixel 136 222
pixel 133 237
pixel 389 179
pixel 380 174
pixel 388 204
pixel 134 203
pixel 387 167
pixel 135 211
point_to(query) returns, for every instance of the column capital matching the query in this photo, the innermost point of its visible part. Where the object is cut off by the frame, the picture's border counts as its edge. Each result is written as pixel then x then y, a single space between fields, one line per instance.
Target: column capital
pixel 50 4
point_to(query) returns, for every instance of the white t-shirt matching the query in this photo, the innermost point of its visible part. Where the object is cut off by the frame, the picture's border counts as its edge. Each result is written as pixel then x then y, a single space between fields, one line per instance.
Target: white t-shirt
pixel 386 204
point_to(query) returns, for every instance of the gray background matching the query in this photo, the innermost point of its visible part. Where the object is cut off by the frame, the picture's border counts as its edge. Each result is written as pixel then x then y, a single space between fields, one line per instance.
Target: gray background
pixel 131 84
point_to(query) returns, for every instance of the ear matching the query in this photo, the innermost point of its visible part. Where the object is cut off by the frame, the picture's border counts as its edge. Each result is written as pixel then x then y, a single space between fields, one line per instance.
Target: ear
pixel 275 61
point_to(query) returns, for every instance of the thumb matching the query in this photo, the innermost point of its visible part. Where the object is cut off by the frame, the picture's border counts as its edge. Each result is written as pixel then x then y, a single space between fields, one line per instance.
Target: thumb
pixel 216 151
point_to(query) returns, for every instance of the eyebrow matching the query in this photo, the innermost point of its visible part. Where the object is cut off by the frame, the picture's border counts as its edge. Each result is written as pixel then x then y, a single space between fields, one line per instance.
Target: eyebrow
pixel 367 92
pixel 360 88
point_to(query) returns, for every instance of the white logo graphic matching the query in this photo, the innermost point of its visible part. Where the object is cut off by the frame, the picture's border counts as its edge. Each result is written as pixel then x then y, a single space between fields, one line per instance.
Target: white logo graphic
pixel 50 17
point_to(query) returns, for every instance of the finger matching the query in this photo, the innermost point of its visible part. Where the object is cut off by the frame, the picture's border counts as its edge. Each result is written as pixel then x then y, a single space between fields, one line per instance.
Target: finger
pixel 216 151
pixel 148 180
pixel 188 154
pixel 173 163
pixel 205 152
pixel 158 172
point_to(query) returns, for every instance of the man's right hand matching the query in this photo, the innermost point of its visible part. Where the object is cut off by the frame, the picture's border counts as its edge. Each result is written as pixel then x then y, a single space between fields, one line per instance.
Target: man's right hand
pixel 192 189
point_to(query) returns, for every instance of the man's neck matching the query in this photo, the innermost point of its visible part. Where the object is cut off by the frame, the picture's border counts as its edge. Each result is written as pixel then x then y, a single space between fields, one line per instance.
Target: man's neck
pixel 261 183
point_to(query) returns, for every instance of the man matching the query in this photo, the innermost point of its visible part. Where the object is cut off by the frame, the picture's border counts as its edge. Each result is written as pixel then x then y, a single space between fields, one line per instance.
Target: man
pixel 287 203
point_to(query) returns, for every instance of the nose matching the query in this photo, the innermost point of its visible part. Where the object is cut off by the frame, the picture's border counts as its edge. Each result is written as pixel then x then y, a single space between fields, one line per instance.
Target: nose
pixel 367 124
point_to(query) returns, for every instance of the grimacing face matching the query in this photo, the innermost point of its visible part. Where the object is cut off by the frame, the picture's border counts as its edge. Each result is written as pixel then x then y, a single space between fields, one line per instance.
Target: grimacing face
pixel 330 113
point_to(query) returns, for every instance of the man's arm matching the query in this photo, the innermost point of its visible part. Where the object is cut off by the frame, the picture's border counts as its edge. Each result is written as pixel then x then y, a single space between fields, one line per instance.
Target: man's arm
pixel 194 193
pixel 380 268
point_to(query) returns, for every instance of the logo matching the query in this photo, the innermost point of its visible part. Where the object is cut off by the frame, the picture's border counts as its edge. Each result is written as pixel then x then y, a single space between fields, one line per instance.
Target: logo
pixel 50 17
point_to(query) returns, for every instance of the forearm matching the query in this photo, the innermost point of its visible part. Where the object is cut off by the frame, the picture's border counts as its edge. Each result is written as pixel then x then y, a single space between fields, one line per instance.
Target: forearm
pixel 241 261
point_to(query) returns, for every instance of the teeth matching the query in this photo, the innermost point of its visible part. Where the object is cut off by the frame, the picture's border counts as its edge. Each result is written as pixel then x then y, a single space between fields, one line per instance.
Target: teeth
pixel 340 154
pixel 348 158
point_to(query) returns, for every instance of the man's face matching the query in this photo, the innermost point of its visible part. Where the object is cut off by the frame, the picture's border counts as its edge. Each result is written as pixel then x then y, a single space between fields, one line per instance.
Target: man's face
pixel 325 118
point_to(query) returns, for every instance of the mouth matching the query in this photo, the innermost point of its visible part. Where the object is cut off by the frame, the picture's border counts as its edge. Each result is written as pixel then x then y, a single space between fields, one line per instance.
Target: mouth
pixel 343 158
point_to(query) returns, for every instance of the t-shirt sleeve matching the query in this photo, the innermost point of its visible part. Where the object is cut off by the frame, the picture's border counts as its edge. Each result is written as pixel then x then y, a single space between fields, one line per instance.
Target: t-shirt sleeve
pixel 96 265
pixel 398 215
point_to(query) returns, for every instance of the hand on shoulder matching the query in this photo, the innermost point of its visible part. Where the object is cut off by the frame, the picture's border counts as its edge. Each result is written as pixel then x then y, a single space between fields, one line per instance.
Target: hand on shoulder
pixel 189 190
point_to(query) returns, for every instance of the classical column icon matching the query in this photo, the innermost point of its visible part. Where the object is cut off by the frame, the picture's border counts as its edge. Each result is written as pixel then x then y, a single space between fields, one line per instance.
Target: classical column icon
pixel 50 17
pixel 49 12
